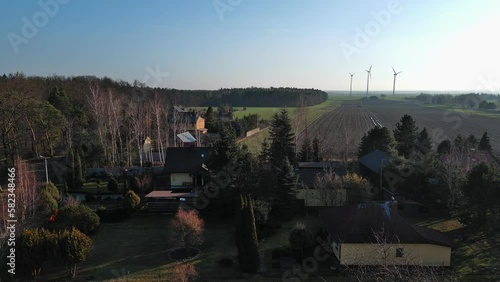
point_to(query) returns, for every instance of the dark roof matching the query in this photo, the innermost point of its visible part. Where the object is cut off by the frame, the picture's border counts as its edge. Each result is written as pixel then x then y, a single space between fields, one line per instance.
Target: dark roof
pixel 186 159
pixel 315 165
pixel 373 160
pixel 357 224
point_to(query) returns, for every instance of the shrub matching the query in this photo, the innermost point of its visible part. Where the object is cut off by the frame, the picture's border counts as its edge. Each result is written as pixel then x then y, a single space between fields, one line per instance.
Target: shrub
pixel 184 272
pixel 36 248
pixel 187 229
pixel 74 247
pixel 81 217
pixel 261 211
pixel 301 241
pixel 131 201
pixel 50 197
pixel 113 185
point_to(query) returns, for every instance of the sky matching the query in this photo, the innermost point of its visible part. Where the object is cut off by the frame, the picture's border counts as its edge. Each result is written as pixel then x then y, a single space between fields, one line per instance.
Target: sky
pixel 212 44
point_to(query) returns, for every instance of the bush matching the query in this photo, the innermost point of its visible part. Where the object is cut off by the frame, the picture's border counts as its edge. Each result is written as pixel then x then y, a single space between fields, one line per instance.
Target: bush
pixel 113 185
pixel 301 241
pixel 131 201
pixel 261 212
pixel 74 247
pixel 80 216
pixel 50 197
pixel 36 248
pixel 187 229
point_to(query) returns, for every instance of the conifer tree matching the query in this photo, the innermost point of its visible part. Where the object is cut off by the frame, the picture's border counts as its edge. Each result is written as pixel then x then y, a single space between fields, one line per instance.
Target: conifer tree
pixel 484 144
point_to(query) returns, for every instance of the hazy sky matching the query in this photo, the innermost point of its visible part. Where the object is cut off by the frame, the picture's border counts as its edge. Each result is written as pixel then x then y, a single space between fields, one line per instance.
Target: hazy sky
pixel 439 45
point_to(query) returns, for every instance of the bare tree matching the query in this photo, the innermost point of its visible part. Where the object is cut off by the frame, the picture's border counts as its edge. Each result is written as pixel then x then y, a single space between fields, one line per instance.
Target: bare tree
pixel 330 188
pixel 409 267
pixel 97 105
pixel 452 170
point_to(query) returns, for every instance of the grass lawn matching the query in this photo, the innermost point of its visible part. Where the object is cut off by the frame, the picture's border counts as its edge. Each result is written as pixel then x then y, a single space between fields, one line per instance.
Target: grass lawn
pixel 136 250
pixel 477 257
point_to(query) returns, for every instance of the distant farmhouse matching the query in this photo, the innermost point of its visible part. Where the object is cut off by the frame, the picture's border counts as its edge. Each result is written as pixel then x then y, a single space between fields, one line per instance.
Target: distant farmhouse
pixel 375 235
pixel 182 120
pixel 185 170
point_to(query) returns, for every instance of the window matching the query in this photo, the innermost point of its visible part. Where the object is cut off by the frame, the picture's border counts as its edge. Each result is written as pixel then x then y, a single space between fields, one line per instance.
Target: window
pixel 399 252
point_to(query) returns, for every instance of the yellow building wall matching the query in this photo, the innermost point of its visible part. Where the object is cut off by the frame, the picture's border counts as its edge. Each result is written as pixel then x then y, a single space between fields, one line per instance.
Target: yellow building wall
pixel 414 254
pixel 177 179
pixel 200 123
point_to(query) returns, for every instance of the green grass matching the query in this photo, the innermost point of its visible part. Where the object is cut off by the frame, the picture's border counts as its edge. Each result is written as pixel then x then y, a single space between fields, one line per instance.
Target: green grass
pixel 312 113
pixel 137 250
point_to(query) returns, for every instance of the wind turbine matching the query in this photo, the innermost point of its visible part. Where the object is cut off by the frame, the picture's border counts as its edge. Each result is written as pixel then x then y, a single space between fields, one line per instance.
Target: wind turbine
pixel 368 77
pixel 350 89
pixel 394 83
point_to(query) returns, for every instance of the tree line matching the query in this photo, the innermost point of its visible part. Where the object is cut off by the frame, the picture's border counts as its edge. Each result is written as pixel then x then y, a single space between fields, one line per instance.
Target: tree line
pixel 107 121
pixel 461 174
pixel 471 100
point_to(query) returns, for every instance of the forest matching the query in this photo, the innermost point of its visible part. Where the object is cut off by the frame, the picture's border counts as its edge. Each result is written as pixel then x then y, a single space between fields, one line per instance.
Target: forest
pixel 107 121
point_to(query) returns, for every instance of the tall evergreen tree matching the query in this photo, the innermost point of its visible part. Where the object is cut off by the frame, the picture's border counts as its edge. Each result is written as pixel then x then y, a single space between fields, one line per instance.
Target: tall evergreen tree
pixel 481 195
pixel 287 182
pixel 460 144
pixel 70 174
pixel 265 152
pixel 246 236
pixel 250 228
pixel 424 142
pixel 306 152
pixel 484 144
pixel 472 142
pixel 224 151
pixel 316 149
pixel 444 147
pixel 80 179
pixel 406 134
pixel 282 139
pixel 58 99
pixel 378 138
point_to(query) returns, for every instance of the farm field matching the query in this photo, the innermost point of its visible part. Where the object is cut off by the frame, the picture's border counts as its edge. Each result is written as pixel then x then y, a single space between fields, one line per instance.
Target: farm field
pixel 344 126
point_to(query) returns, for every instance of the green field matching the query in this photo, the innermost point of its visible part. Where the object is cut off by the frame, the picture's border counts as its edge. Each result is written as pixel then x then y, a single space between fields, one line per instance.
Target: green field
pixel 484 113
pixel 312 113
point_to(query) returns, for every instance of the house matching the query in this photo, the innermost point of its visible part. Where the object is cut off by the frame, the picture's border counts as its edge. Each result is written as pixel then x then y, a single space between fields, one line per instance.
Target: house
pixel 375 235
pixel 182 120
pixel 185 167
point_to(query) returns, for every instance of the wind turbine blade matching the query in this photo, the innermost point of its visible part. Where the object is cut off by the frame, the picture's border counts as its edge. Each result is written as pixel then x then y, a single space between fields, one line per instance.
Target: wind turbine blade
pixel 399 72
pixel 393 70
pixel 371 67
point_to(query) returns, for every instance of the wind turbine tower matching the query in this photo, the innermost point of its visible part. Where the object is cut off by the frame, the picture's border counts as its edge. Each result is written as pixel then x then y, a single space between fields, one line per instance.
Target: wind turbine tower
pixel 368 77
pixel 394 83
pixel 350 89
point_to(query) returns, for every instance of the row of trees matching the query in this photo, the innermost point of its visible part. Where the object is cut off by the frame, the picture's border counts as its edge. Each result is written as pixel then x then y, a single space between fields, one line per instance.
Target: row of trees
pixel 471 100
